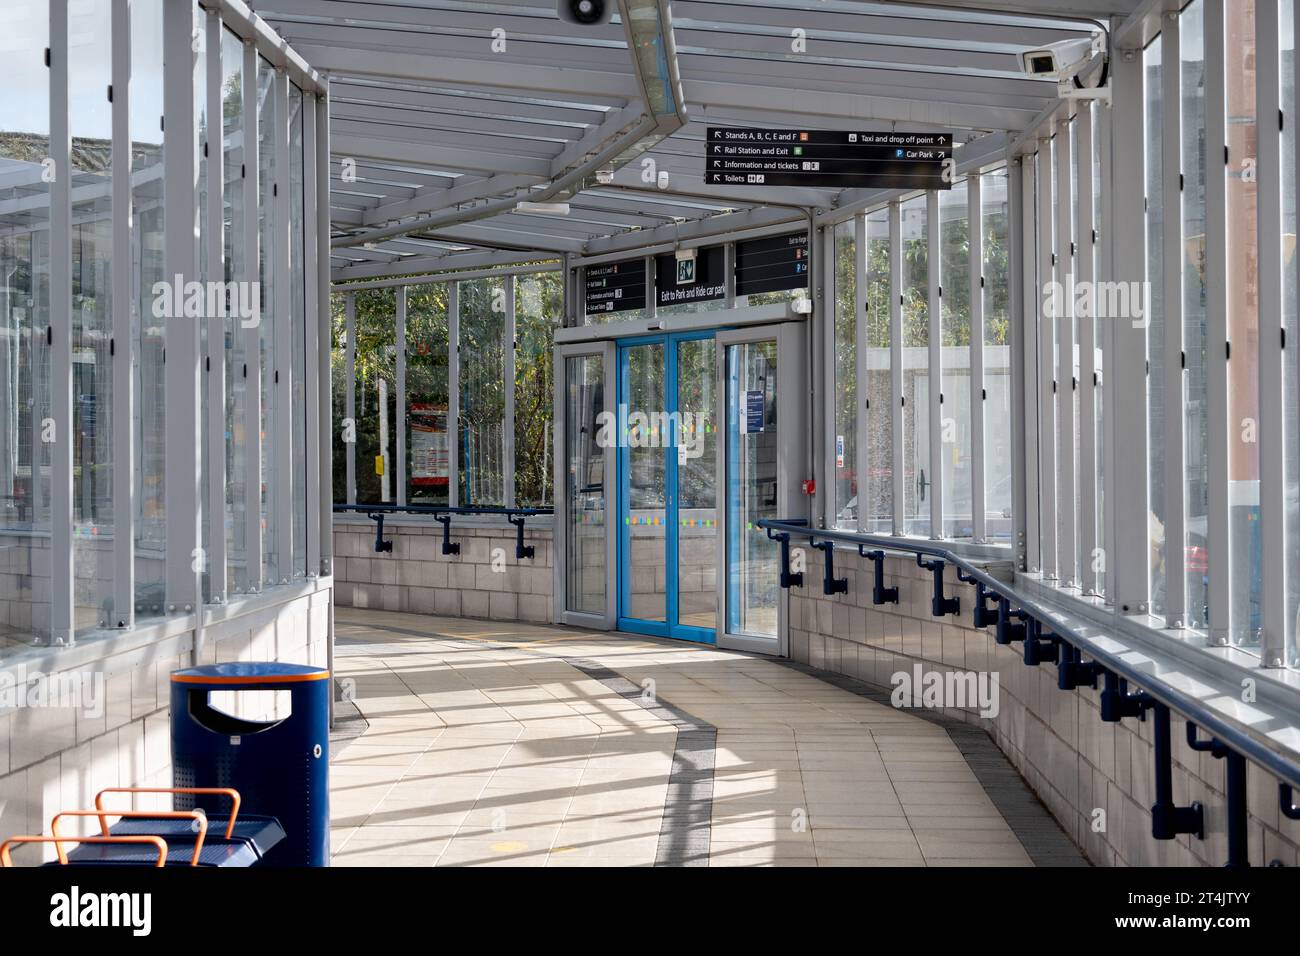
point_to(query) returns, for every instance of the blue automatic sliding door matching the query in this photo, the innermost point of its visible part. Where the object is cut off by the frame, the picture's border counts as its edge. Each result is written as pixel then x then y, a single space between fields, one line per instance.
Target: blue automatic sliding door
pixel 668 520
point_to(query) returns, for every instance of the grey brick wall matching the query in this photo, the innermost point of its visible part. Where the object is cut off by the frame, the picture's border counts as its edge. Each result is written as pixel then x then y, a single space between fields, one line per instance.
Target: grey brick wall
pixel 1056 739
pixel 485 580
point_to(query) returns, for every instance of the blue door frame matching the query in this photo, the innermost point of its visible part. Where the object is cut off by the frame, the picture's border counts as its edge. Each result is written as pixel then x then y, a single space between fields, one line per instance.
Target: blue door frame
pixel 668 627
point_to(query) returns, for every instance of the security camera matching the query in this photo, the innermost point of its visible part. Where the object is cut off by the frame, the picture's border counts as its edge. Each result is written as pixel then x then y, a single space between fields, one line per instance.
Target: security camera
pixel 585 13
pixel 1062 60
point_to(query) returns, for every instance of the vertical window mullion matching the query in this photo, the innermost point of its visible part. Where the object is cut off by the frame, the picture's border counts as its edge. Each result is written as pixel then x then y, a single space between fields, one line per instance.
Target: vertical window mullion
pixel 827 495
pixel 508 438
pixel 860 416
pixel 281 478
pixel 1066 502
pixel 1104 270
pixel 1218 517
pixel 252 366
pixel 215 364
pixel 453 394
pixel 975 230
pixel 896 362
pixel 1129 549
pixel 180 258
pixel 1085 270
pixel 1027 321
pixel 1272 445
pixel 934 314
pixel 1047 502
pixel 402 414
pixel 123 397
pixel 61 566
pixel 350 391
pixel 1174 382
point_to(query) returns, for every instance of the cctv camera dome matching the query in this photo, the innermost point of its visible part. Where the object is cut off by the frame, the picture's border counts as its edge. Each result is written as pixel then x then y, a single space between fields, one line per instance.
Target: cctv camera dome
pixel 584 12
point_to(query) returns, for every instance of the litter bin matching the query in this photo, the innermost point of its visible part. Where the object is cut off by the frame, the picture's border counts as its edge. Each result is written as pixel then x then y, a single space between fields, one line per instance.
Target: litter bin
pixel 280 767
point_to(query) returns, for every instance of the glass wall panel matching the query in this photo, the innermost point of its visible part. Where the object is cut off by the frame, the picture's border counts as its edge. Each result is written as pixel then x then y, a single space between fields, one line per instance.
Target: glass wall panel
pixel 995 223
pixel 481 442
pixel 954 265
pixel 427 447
pixel 584 399
pixel 339 392
pixel 539 309
pixel 90 71
pixel 1243 321
pixel 268 247
pixel 1291 356
pixel 845 447
pixel 298 327
pixel 875 463
pixel 236 262
pixel 1196 450
pixel 1153 112
pixel 376 394
pixel 147 245
pixel 24 316
pixel 916 367
pixel 645 483
pixel 697 484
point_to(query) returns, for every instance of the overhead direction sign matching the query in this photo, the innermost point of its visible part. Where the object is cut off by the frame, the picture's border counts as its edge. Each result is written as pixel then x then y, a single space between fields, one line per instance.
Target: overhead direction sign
pixel 699 279
pixel 772 264
pixel 616 286
pixel 838 159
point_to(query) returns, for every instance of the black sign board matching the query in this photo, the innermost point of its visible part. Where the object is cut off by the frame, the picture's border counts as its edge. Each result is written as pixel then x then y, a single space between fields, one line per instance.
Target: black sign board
pixel 677 284
pixel 616 286
pixel 772 264
pixel 864 160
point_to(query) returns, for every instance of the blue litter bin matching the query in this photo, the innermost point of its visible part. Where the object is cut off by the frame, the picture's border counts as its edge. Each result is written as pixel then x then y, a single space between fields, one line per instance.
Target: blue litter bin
pixel 280 767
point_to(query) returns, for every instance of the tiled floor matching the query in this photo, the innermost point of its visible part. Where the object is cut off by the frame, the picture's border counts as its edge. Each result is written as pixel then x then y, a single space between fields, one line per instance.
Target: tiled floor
pixel 497 744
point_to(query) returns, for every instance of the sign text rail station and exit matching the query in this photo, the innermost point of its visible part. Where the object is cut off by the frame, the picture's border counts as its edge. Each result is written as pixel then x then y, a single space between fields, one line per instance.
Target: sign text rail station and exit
pixel 783 157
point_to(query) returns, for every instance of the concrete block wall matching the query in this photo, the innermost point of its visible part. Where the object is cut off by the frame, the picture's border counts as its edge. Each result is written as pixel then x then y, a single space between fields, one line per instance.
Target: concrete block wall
pixel 417 577
pixel 1056 739
pixel 58 756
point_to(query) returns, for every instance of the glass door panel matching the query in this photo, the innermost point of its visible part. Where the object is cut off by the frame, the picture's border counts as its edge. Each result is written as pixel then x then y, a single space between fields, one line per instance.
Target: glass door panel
pixel 585 551
pixel 645 483
pixel 751 481
pixel 696 522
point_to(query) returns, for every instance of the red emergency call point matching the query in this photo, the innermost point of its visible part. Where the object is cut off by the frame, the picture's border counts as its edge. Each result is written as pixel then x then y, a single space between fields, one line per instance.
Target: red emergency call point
pixel 810 486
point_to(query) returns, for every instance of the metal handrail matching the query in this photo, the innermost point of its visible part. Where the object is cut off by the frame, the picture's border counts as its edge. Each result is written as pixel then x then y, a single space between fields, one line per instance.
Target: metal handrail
pixel 443 515
pixel 1229 735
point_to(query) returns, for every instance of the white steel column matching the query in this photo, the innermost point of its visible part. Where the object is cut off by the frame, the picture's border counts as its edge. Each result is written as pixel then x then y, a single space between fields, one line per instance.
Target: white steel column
pixel 1218 521
pixel 1066 550
pixel 123 394
pixel 1026 321
pixel 325 324
pixel 1047 384
pixel 510 344
pixel 1272 419
pixel 350 394
pixel 1085 271
pixel 183 428
pixel 252 365
pixel 1174 384
pixel 402 413
pixel 934 309
pixel 453 394
pixel 215 353
pixel 1129 550
pixel 282 475
pixel 1105 249
pixel 316 317
pixel 60 338
pixel 975 230
pixel 860 400
pixel 896 363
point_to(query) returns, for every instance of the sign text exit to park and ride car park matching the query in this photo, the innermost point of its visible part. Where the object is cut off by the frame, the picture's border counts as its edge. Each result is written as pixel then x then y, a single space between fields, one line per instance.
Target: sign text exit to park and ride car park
pixel 784 157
